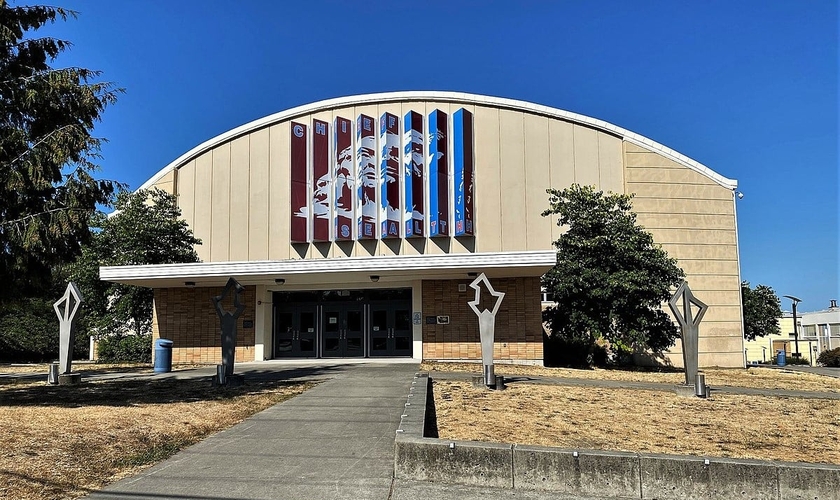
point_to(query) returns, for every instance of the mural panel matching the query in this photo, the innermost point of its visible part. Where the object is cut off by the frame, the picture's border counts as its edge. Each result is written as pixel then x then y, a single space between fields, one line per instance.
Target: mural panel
pixel 438 174
pixel 389 176
pixel 367 177
pixel 463 171
pixel 299 187
pixel 415 160
pixel 321 181
pixel 345 180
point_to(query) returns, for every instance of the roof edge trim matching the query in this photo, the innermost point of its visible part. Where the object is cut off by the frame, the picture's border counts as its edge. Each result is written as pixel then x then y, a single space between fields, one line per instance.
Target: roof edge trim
pixel 459 97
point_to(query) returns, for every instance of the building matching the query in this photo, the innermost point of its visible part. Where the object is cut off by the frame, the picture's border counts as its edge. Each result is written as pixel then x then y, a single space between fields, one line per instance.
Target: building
pixel 356 224
pixel 818 331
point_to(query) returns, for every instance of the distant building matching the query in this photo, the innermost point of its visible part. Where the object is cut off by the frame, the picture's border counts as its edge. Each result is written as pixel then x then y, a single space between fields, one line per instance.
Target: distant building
pixel 356 223
pixel 818 331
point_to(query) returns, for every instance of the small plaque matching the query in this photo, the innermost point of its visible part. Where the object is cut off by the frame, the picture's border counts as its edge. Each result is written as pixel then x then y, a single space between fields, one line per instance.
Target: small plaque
pixel 418 318
pixel 443 320
pixel 431 320
pixel 310 330
pixel 333 320
pixel 248 323
pixel 375 328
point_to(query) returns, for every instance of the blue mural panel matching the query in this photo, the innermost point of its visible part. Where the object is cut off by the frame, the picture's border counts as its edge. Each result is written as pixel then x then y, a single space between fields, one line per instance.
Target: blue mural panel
pixel 438 174
pixel 463 168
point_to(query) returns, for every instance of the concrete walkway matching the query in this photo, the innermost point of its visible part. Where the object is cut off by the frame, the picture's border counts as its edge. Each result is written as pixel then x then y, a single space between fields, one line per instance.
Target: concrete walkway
pixel 334 441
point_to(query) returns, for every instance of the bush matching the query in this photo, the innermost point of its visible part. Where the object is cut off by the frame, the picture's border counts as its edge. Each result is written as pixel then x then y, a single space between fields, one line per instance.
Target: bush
pixel 29 331
pixel 574 353
pixel 125 349
pixel 830 358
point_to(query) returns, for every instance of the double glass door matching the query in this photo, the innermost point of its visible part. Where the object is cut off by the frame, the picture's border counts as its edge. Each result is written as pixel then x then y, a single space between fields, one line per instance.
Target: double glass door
pixel 295 332
pixel 390 329
pixel 343 331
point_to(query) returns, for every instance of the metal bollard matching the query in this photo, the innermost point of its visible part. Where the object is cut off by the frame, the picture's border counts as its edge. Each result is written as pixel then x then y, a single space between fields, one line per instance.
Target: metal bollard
pixel 221 376
pixel 489 375
pixel 700 385
pixel 52 376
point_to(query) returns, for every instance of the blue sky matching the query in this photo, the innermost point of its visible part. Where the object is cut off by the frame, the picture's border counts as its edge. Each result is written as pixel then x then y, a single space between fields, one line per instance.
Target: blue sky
pixel 748 88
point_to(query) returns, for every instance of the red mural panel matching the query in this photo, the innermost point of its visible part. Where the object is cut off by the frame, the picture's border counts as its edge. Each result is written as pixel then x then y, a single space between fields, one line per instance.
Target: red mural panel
pixel 299 192
pixel 345 179
pixel 321 181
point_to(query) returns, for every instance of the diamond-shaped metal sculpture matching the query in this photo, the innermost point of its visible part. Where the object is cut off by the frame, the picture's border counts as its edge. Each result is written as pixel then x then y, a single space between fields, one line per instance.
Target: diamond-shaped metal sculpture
pixel 66 308
pixel 486 324
pixel 689 324
pixel 228 322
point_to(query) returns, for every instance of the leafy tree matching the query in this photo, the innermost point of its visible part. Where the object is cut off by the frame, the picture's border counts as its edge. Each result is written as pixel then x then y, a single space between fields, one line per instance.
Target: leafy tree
pixel 762 310
pixel 47 115
pixel 611 278
pixel 145 228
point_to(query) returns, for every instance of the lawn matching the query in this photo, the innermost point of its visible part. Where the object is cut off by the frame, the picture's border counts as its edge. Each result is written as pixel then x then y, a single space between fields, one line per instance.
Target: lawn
pixel 726 425
pixel 66 441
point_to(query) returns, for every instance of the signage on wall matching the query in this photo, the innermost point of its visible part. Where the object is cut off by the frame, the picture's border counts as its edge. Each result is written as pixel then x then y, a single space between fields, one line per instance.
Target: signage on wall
pixel 409 186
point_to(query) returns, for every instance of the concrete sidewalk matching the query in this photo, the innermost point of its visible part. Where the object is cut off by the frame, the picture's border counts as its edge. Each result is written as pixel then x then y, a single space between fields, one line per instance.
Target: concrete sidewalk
pixel 334 441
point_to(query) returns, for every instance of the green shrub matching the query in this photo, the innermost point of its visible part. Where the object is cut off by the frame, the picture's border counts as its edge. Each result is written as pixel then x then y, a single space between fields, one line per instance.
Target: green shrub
pixel 830 358
pixel 125 349
pixel 29 332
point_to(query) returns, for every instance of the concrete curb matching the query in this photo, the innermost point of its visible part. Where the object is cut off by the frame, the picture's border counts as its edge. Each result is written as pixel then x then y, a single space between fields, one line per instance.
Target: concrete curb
pixel 597 473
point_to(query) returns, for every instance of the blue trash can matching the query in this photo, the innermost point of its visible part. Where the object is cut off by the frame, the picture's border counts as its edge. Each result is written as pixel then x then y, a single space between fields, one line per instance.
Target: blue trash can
pixel 163 355
pixel 781 359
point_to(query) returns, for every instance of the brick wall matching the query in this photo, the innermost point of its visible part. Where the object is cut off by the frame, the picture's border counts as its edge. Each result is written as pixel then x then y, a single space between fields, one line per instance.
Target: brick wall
pixel 518 335
pixel 187 317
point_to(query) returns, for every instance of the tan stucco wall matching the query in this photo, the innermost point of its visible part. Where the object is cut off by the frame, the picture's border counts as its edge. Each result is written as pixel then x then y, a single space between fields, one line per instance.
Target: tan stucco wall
pixel 693 218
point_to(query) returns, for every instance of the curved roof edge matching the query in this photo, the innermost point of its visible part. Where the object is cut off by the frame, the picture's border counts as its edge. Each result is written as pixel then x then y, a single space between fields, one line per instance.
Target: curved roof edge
pixel 459 97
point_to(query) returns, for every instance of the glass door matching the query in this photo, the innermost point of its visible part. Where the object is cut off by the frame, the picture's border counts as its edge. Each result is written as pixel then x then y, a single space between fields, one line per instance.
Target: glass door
pixel 294 331
pixel 343 332
pixel 390 329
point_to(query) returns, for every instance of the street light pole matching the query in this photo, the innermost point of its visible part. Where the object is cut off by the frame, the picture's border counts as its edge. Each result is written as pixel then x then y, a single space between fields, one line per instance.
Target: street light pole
pixel 795 301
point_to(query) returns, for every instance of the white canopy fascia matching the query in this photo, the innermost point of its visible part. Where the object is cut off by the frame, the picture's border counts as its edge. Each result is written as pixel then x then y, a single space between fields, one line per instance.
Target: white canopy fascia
pixel 338 272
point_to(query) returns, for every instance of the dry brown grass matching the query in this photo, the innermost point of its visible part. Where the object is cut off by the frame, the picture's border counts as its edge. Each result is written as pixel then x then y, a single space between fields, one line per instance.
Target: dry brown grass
pixel 758 427
pixel 86 367
pixel 757 378
pixel 63 442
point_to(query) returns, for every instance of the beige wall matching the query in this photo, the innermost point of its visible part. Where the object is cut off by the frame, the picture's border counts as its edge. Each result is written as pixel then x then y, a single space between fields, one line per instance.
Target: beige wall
pixel 235 197
pixel 693 218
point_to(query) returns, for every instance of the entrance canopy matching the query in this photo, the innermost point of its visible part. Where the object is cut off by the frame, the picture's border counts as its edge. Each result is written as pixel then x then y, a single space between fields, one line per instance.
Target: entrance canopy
pixel 383 269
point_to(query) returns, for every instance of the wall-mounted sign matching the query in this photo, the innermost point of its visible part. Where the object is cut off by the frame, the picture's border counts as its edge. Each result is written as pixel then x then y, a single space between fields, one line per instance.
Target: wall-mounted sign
pixel 410 186
pixel 418 318
pixel 443 320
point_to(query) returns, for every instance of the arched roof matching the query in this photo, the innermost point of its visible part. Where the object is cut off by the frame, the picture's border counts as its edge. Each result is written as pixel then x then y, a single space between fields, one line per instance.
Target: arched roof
pixel 454 97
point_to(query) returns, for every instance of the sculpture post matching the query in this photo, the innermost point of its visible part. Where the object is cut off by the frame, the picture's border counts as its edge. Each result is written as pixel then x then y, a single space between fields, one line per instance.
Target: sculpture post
pixel 486 325
pixel 67 308
pixel 228 322
pixel 689 324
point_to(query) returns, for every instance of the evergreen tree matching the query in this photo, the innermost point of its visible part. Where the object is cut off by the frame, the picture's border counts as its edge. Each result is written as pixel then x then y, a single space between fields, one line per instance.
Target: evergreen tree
pixel 611 278
pixel 47 189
